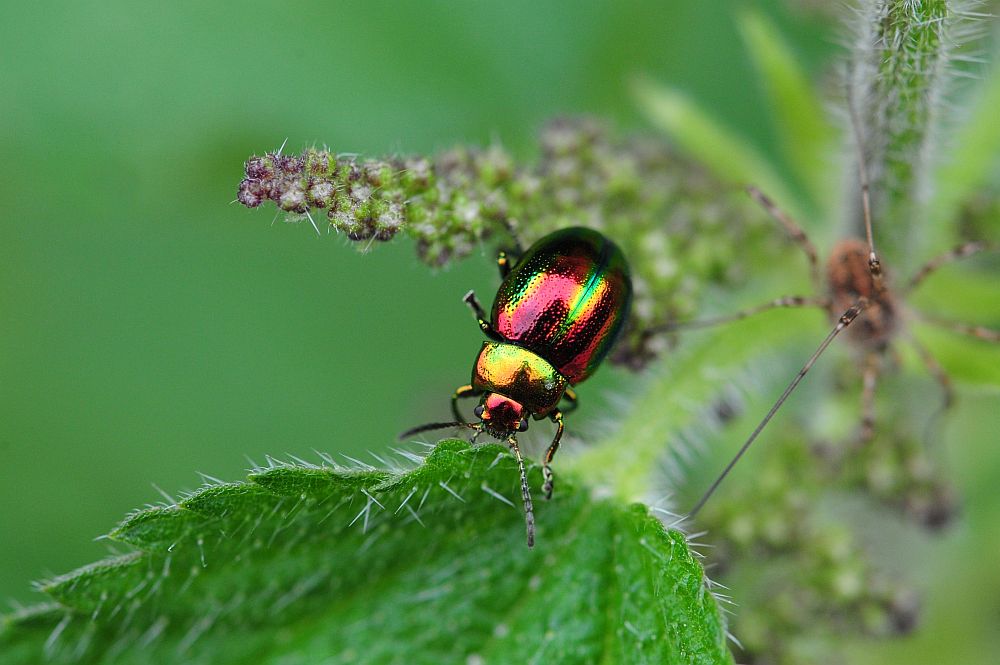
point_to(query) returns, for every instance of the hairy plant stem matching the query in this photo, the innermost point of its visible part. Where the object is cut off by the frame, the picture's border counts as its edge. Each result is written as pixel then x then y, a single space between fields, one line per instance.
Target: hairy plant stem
pixel 899 71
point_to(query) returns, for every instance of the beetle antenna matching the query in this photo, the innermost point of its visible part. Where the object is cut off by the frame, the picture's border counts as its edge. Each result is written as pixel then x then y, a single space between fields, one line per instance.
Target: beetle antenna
pixel 529 511
pixel 432 426
pixel 845 320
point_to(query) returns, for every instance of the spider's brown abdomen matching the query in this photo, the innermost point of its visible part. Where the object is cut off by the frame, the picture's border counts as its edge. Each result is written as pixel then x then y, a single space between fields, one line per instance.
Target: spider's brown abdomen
pixel 849 278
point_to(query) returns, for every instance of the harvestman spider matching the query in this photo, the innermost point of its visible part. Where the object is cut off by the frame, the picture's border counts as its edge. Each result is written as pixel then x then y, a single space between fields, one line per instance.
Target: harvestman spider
pixel 856 289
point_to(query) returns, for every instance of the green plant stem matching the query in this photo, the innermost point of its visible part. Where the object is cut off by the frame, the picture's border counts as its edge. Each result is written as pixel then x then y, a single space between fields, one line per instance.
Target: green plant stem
pixel 898 80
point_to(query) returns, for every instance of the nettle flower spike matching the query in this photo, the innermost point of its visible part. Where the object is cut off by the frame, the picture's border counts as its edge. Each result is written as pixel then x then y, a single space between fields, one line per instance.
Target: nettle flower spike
pixel 347 191
pixel 683 230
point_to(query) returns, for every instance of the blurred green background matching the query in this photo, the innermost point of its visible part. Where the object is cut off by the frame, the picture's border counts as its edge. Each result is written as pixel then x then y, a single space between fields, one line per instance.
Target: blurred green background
pixel 151 330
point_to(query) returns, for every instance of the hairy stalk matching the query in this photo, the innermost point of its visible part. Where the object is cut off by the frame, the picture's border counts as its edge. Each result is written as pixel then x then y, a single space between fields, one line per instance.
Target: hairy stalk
pixel 899 73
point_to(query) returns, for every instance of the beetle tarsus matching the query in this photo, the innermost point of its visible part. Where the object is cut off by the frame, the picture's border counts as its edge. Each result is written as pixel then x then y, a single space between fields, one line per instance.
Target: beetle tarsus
pixel 571 400
pixel 557 418
pixel 473 302
pixel 484 325
pixel 549 484
pixel 461 392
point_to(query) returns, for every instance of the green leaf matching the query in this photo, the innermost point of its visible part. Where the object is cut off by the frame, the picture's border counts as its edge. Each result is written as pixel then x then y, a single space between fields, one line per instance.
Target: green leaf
pixel 729 156
pixel 308 564
pixel 801 124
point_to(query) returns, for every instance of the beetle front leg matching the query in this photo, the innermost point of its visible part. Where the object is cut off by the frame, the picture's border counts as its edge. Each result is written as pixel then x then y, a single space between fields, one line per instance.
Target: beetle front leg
pixel 484 325
pixel 557 418
pixel 461 393
pixel 573 402
pixel 515 238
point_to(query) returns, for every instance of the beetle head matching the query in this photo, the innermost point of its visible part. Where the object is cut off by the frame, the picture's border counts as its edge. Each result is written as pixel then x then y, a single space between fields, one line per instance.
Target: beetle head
pixel 501 415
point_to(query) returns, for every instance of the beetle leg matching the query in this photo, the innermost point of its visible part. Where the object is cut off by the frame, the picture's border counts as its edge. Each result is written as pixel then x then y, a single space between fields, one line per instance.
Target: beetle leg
pixel 570 397
pixel 557 418
pixel 473 303
pixel 529 511
pixel 514 236
pixel 461 393
pixel 484 325
pixel 503 263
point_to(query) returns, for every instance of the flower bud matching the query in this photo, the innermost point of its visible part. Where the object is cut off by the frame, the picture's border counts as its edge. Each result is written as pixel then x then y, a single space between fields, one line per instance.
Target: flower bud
pixel 250 193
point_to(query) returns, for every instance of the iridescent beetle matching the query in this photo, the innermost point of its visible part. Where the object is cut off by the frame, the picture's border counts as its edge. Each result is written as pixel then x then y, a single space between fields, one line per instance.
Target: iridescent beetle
pixel 556 315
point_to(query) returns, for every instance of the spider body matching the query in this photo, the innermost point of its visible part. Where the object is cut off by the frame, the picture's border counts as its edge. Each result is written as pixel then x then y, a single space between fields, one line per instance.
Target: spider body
pixel 855 292
pixel 849 279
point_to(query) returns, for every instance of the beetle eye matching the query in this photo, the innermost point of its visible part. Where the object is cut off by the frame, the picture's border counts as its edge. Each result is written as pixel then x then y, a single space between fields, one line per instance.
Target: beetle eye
pixel 523 426
pixel 478 411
